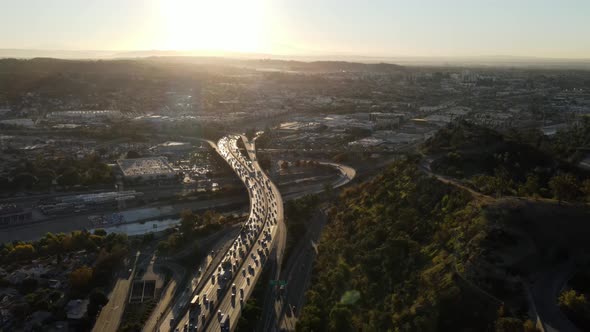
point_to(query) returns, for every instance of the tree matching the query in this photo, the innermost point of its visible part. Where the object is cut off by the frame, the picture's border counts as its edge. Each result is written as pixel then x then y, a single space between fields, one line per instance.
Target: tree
pixel 97 299
pixel 100 232
pixel 95 175
pixel 133 154
pixel 108 262
pixel 531 186
pixel 570 300
pixel 52 243
pixel 340 319
pixel 529 326
pixel 502 182
pixel 210 217
pixel 162 247
pixel 251 314
pixel 508 324
pixel 250 132
pixel 23 251
pixel 374 242
pixel 564 187
pixel 585 188
pixel 70 177
pixel 45 178
pixel 311 319
pixel 24 181
pixel 81 278
pixel 187 222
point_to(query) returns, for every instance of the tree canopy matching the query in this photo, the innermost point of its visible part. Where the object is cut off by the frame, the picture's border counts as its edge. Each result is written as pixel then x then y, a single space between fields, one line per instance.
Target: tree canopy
pixel 389 256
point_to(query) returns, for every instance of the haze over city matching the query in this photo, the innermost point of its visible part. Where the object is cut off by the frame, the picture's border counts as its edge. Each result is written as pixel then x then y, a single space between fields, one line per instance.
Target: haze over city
pixel 382 28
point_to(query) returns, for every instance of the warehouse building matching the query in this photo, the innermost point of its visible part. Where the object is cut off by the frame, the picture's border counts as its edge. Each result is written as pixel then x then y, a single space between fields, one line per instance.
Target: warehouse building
pixel 146 169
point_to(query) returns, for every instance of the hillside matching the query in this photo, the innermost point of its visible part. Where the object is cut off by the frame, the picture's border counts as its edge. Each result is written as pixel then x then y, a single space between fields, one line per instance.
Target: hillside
pixel 388 259
pixel 407 252
pixel 503 164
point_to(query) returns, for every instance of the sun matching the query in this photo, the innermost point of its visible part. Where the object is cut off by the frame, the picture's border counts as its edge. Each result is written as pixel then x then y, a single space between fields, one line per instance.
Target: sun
pixel 214 25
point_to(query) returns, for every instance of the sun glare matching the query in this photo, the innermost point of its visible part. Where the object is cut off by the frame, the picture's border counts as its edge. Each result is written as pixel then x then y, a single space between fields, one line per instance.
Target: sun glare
pixel 215 25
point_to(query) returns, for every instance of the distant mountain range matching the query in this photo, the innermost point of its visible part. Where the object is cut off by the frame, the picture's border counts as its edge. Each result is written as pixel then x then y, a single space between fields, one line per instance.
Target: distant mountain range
pixel 47 64
pixel 486 61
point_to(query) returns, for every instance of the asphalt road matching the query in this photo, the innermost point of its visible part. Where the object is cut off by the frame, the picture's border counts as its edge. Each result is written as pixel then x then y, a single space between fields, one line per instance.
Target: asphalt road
pixel 278 310
pixel 275 255
pixel 347 173
pixel 179 310
pixel 267 242
pixel 298 274
pixel 167 295
pixel 545 291
pixel 110 316
pixel 242 262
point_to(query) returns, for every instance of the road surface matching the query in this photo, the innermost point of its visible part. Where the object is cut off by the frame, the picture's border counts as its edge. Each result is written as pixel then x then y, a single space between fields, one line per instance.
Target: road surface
pixel 545 291
pixel 265 241
pixel 241 264
pixel 110 315
pixel 179 311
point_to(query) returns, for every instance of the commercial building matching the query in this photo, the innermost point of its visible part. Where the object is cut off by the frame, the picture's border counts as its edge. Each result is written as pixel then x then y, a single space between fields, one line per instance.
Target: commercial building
pixel 146 169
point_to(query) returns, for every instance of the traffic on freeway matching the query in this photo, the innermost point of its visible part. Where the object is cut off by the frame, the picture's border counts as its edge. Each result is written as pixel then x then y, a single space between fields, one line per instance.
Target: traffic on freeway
pixel 217 305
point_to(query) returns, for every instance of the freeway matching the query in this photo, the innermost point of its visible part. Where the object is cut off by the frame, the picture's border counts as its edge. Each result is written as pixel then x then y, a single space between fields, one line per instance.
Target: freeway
pixel 178 311
pixel 346 175
pixel 268 242
pixel 280 314
pixel 298 272
pixel 216 305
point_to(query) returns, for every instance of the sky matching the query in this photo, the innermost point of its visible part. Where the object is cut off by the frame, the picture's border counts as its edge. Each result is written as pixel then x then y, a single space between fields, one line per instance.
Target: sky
pixel 540 28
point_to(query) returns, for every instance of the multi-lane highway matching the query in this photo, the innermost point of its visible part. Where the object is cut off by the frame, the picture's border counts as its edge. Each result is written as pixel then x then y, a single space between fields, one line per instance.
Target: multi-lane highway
pixel 279 313
pixel 217 302
pixel 217 305
pixel 268 241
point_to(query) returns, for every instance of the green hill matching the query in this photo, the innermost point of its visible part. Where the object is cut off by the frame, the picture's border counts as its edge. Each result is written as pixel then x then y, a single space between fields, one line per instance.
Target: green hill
pixel 392 256
pixel 504 164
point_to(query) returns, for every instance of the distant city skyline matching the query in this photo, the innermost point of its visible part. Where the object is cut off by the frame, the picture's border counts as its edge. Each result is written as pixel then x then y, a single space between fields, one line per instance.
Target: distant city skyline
pixel 378 28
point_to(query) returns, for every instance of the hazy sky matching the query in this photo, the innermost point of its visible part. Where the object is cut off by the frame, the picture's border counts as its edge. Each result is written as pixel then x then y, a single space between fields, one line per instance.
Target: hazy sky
pixel 545 28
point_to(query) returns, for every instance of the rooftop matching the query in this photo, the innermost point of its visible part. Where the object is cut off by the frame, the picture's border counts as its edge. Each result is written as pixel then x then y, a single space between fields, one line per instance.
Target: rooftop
pixel 145 166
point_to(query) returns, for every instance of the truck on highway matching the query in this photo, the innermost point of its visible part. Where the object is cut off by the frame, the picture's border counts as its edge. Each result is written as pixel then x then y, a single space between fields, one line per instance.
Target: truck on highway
pixel 195 302
pixel 194 309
